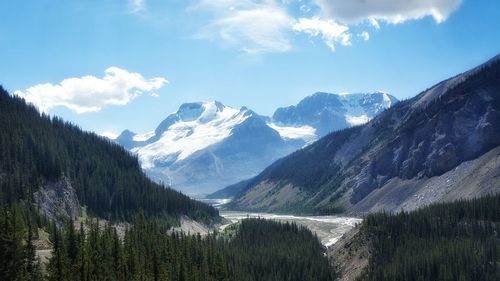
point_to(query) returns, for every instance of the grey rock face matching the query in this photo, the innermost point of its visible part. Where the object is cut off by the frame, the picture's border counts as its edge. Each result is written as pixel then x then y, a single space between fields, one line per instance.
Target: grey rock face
pixel 461 124
pixel 429 141
pixel 58 201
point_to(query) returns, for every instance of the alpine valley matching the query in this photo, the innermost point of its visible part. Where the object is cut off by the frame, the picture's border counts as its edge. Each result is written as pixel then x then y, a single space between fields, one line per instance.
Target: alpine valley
pixel 250 140
pixel 204 147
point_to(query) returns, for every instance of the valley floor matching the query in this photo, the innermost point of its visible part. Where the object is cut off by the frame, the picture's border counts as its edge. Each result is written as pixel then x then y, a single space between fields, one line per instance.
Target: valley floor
pixel 329 229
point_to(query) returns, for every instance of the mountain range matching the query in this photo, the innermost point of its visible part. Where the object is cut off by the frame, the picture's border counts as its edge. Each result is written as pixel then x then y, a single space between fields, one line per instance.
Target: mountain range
pixel 206 146
pixel 441 145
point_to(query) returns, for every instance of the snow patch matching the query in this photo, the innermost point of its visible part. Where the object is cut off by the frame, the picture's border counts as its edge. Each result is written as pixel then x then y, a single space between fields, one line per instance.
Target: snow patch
pixel 143 137
pixel 387 100
pixel 306 133
pixel 357 120
pixel 364 104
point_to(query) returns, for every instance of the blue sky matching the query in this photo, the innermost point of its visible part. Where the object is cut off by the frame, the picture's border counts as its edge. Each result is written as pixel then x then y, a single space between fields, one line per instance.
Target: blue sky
pixel 108 65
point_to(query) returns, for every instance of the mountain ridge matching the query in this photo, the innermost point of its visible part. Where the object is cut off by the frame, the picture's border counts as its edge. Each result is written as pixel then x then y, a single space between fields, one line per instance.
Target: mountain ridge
pixel 336 111
pixel 408 141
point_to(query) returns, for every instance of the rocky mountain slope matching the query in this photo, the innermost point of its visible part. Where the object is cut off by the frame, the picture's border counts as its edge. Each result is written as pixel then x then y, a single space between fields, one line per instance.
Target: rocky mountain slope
pixel 206 146
pixel 442 144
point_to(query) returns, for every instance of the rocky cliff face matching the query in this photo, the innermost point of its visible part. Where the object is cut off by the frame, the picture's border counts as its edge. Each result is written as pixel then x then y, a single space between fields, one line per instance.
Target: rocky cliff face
pixel 396 155
pixel 456 121
pixel 58 201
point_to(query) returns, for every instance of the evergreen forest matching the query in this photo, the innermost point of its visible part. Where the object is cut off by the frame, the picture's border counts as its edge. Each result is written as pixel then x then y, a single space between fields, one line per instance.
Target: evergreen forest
pixel 259 250
pixel 446 241
pixel 36 149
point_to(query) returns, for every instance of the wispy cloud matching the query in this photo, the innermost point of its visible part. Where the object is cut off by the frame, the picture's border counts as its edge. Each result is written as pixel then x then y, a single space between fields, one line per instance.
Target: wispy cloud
pixel 365 35
pixel 92 94
pixel 137 6
pixel 264 26
pixel 330 31
pixel 254 27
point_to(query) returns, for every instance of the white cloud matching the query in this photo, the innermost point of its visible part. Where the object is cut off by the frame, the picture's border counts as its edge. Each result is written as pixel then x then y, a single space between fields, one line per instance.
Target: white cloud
pixel 373 22
pixel 252 26
pixel 305 9
pixel 391 11
pixel 365 35
pixel 330 31
pixel 137 6
pixel 91 94
pixel 264 26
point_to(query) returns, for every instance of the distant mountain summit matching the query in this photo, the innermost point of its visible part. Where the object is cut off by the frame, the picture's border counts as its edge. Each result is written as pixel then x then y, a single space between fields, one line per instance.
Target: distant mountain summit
pixel 205 146
pixel 330 112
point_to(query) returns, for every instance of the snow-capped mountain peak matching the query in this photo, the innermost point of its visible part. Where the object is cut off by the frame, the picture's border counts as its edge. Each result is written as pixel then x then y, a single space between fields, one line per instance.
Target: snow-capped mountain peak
pixel 193 127
pixel 205 146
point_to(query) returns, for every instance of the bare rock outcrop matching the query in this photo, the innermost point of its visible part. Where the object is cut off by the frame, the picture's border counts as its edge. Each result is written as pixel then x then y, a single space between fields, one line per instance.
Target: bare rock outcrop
pixel 58 201
pixel 350 255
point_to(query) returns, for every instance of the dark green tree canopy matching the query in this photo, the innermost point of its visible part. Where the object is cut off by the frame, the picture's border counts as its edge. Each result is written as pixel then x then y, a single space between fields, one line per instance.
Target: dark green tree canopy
pixel 35 149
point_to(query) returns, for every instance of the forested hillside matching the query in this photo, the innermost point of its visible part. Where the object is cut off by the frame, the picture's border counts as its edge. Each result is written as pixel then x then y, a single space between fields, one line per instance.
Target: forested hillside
pixel 452 241
pixel 260 250
pixel 36 149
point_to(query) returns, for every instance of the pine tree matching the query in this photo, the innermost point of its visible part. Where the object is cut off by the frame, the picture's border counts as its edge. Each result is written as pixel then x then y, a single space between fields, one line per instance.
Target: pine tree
pixel 58 266
pixel 12 252
pixel 82 261
pixel 32 261
pixel 72 249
